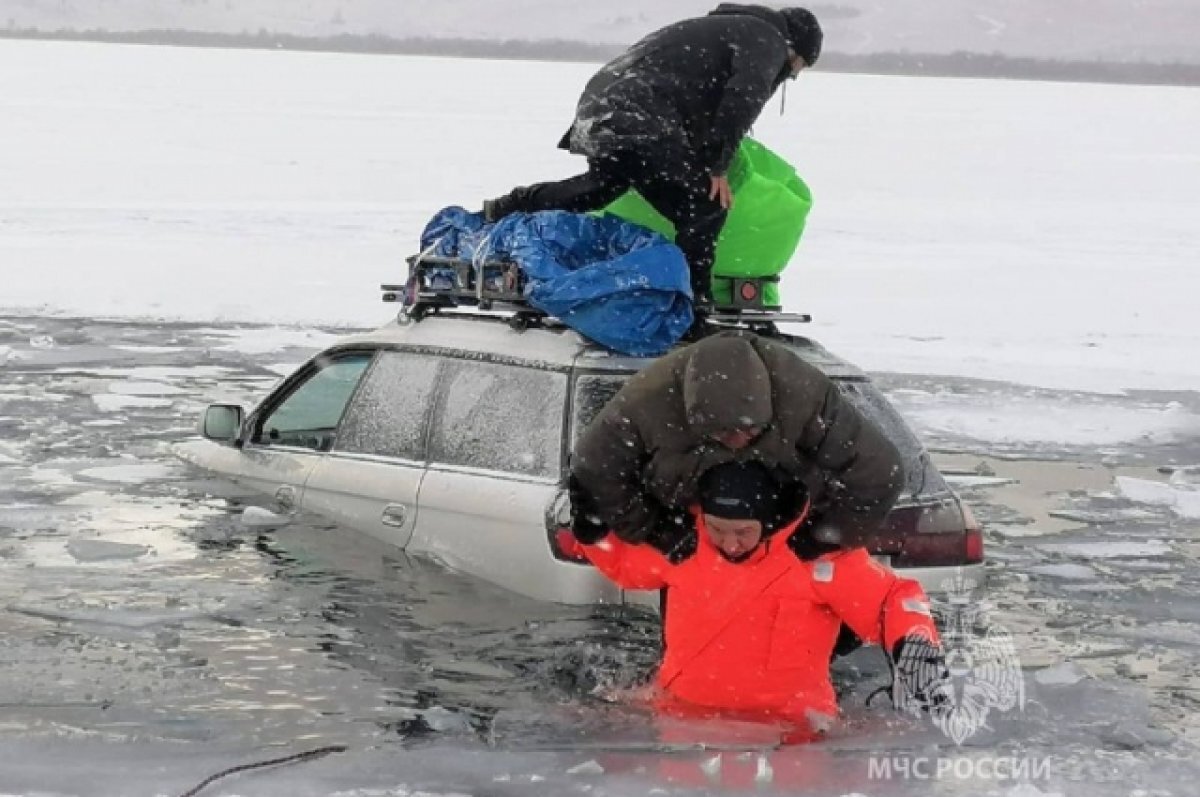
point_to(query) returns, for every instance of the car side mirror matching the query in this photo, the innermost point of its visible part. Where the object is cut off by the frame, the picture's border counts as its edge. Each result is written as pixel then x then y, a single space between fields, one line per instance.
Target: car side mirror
pixel 222 422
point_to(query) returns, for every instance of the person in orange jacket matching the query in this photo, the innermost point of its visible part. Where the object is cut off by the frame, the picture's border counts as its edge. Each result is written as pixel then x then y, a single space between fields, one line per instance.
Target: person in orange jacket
pixel 755 609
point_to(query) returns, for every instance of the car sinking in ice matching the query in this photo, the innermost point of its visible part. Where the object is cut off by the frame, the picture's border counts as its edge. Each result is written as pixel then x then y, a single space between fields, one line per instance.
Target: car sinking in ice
pixel 449 438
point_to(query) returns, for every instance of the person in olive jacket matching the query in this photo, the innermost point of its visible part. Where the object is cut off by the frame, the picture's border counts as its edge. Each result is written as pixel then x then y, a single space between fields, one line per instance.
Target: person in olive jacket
pixel 666 118
pixel 733 396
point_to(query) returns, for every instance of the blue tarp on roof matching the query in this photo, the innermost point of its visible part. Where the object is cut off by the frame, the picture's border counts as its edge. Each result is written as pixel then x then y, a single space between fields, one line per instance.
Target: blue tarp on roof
pixel 621 285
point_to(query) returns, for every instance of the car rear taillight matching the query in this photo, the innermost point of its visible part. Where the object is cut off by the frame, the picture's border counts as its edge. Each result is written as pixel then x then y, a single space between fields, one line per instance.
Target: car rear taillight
pixel 974 536
pixel 565 548
pixel 945 534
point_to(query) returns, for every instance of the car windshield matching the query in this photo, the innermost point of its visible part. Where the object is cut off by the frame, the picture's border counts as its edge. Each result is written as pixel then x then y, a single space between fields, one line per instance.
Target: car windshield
pixel 593 391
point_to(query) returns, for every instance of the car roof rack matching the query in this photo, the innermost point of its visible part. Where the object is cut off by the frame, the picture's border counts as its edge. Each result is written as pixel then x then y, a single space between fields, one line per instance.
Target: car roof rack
pixel 437 283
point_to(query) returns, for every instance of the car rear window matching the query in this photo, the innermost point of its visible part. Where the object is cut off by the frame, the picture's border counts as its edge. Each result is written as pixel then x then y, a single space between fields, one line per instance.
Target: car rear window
pixel 921 477
pixel 592 392
pixel 500 417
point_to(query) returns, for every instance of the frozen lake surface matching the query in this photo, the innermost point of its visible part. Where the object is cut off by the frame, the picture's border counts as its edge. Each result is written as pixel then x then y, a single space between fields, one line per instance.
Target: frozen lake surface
pixel 158 626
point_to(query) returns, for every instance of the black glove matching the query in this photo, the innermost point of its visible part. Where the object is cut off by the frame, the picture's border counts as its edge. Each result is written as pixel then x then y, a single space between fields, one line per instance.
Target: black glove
pixel 585 522
pixel 674 536
pixel 589 529
pixel 920 680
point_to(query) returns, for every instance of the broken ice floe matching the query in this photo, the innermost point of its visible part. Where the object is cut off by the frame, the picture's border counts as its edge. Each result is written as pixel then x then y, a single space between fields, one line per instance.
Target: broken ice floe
pixel 1062 674
pixel 1016 531
pixel 132 473
pixel 1066 570
pixel 258 517
pixel 1115 549
pixel 967 481
pixel 1102 517
pixel 144 388
pixel 103 550
pixel 112 402
pixel 1179 496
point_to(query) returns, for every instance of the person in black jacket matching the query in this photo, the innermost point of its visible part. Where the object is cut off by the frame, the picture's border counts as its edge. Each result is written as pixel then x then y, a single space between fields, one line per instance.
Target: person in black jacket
pixel 666 118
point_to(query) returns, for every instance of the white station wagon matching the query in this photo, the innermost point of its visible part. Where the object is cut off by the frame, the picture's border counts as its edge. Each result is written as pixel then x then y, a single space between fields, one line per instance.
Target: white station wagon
pixel 449 437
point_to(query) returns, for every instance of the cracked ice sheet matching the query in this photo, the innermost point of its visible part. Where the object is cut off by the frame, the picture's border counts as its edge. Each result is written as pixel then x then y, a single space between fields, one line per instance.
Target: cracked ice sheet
pixel 144 389
pixel 1043 419
pixel 160 373
pixel 112 402
pixel 271 339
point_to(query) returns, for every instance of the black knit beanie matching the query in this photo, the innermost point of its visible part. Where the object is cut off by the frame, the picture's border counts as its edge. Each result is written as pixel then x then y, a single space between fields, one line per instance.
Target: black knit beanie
pixel 740 491
pixel 804 33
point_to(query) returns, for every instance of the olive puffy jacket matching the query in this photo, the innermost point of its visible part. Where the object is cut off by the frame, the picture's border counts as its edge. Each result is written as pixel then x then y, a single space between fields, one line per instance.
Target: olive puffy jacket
pixel 758 636
pixel 639 462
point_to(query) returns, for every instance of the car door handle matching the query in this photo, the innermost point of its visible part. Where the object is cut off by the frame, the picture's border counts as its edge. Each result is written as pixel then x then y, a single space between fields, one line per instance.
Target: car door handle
pixel 394 515
pixel 285 497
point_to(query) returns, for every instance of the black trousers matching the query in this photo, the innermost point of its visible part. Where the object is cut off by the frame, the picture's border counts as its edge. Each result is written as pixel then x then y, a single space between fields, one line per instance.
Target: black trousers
pixel 676 189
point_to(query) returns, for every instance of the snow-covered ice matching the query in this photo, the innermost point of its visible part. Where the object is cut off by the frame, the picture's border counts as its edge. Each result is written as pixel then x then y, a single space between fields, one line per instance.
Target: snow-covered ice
pixel 975 236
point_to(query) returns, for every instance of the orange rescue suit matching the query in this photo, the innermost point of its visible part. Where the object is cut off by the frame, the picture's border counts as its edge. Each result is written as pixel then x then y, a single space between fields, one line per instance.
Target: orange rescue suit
pixel 758 636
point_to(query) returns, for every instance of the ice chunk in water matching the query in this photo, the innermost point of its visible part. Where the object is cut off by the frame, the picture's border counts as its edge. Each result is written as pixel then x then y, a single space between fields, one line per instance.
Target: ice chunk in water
pixel 258 517
pixel 1065 570
pixel 102 550
pixel 1180 497
pixel 1063 674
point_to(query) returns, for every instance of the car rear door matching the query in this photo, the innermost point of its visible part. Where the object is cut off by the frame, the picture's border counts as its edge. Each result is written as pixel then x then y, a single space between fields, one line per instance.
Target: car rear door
pixel 293 428
pixel 495 461
pixel 371 479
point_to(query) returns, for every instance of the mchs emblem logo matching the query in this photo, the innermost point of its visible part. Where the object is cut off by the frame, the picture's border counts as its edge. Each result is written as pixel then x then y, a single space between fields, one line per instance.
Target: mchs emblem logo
pixel 976 671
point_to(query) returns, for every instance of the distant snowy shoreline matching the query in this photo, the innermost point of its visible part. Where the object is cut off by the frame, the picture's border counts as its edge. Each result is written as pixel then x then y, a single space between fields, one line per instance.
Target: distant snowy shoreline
pixel 957 64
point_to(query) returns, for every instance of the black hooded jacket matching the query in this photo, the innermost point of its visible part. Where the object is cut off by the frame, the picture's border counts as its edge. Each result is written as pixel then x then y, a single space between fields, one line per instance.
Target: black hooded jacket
pixel 691 90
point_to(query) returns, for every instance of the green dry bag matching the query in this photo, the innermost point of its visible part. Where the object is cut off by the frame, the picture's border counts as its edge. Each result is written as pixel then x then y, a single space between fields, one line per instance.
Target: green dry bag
pixel 771 204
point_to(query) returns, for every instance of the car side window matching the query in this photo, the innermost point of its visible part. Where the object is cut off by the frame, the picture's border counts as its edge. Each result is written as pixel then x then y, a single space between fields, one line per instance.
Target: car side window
pixel 592 393
pixel 500 417
pixel 309 416
pixel 389 415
